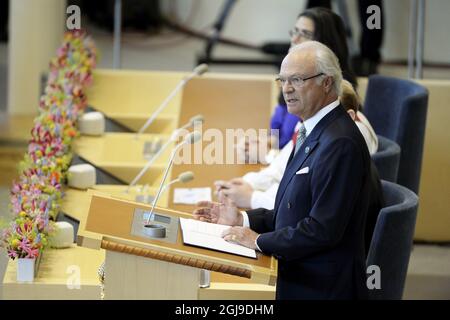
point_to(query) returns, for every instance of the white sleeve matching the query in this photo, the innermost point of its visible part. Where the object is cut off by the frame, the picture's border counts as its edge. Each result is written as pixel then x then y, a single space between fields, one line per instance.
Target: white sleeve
pixel 368 133
pixel 245 220
pixel 264 199
pixel 265 178
pixel 246 223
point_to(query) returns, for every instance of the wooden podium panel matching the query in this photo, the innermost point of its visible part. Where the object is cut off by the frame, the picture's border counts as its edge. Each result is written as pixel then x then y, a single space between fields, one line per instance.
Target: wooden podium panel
pixel 111 219
pixel 226 103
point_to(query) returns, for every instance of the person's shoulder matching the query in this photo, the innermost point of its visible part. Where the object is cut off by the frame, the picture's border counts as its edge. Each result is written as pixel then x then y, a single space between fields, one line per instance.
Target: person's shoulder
pixel 342 127
pixel 342 133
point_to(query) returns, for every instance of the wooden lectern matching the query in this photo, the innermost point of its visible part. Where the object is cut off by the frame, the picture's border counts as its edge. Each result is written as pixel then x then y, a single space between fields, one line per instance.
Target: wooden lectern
pixel 140 267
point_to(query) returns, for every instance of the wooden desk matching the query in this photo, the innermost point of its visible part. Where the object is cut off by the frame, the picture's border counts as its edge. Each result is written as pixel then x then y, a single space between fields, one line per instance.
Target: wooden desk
pixel 130 97
pixel 63 274
pixel 121 154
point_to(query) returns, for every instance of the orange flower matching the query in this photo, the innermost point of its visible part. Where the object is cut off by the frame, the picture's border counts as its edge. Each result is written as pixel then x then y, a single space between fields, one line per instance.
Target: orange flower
pixel 55 175
pixel 71 133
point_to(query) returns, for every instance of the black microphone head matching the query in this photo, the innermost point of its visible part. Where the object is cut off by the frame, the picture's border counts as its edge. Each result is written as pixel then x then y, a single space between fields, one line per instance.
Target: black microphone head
pixel 201 69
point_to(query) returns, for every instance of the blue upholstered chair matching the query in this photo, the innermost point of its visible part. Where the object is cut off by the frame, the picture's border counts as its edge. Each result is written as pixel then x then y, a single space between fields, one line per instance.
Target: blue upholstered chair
pixel 392 240
pixel 397 110
pixel 387 159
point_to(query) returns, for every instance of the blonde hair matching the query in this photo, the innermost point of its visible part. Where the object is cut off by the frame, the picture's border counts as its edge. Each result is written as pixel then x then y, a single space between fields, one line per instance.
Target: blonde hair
pixel 349 98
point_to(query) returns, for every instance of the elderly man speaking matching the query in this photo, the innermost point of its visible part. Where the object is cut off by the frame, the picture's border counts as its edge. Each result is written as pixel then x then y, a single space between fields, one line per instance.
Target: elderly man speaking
pixel 316 229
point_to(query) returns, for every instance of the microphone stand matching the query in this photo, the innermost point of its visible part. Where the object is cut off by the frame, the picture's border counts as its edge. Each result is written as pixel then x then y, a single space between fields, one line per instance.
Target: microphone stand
pixel 179 86
pixel 162 181
pixel 172 139
pixel 157 230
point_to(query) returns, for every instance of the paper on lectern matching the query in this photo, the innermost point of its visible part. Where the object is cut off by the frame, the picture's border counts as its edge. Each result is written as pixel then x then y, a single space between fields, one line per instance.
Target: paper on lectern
pixel 209 235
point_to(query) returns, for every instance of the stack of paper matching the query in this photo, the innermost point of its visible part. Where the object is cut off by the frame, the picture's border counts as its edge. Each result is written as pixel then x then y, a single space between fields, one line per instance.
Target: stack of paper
pixel 209 235
pixel 191 195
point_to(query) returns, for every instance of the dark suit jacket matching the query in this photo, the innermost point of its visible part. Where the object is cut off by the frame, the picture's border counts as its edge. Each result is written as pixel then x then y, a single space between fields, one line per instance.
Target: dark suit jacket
pixel 316 229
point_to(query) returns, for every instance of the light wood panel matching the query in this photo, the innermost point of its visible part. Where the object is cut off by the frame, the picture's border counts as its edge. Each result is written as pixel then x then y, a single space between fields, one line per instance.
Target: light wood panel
pixel 15 129
pixel 131 277
pixel 226 103
pixel 433 220
pixel 130 97
pixel 121 154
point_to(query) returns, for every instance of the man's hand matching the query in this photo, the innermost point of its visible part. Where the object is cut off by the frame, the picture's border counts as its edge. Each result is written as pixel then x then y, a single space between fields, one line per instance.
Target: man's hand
pixel 241 235
pixel 224 212
pixel 237 190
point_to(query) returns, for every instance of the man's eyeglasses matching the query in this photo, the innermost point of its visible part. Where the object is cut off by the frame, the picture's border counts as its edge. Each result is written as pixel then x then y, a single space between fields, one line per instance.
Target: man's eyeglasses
pixel 301 33
pixel 295 81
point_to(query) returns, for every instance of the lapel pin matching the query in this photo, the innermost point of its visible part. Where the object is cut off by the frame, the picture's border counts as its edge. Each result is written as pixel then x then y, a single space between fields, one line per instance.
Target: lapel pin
pixel 307 150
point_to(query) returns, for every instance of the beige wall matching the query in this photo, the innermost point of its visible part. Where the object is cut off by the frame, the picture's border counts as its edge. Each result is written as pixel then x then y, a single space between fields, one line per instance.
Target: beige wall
pixel 36 29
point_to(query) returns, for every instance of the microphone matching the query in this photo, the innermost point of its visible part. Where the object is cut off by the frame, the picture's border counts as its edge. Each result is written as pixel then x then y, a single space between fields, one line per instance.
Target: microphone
pixel 193 120
pixel 190 138
pixel 198 71
pixel 173 138
pixel 182 177
pixel 185 176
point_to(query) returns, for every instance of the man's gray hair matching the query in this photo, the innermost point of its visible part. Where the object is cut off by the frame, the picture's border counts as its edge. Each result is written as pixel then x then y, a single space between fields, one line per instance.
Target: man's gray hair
pixel 326 62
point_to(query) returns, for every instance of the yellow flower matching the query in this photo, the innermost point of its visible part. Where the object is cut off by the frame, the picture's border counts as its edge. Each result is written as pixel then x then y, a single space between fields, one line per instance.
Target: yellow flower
pixel 15 243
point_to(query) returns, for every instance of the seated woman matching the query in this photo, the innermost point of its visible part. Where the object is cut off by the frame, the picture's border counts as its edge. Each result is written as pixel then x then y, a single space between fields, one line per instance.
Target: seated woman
pixel 319 24
pixel 258 189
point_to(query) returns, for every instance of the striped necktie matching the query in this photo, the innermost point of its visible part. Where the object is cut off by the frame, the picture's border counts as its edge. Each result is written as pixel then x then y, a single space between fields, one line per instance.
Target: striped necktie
pixel 301 137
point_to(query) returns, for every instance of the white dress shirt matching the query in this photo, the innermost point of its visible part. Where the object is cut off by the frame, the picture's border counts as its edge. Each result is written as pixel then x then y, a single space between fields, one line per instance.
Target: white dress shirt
pixel 367 131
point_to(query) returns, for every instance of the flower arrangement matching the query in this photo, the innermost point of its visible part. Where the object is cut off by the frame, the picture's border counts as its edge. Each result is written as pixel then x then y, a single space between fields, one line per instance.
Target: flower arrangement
pixel 36 197
pixel 24 238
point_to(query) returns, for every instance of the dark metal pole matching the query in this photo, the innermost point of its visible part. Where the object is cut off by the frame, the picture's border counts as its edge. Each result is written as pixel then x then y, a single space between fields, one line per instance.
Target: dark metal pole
pixel 117 33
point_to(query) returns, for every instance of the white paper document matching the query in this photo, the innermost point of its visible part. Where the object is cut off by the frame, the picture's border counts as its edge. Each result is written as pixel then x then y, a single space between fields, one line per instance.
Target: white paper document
pixel 191 195
pixel 209 235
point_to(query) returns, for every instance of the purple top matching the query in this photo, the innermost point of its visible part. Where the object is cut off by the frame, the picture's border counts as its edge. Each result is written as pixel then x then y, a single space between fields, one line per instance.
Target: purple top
pixel 285 123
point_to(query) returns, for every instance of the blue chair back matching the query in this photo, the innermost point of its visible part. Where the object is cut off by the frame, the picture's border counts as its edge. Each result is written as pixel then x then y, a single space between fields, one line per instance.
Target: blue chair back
pixel 397 110
pixel 387 159
pixel 392 240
